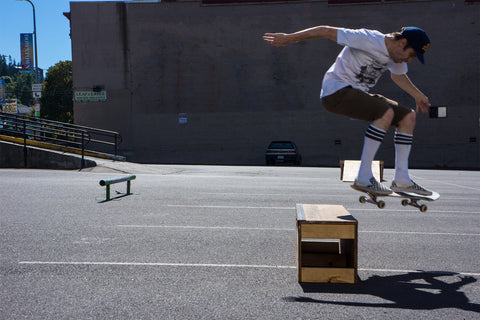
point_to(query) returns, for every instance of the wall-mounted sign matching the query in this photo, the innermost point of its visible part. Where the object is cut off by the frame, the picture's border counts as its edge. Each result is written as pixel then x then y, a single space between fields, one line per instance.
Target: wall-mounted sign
pixel 37 87
pixel 90 96
pixel 10 106
pixel 182 118
pixel 438 111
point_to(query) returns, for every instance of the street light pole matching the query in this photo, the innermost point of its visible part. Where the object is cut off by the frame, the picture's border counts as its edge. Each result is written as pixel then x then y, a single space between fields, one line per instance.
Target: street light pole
pixel 37 80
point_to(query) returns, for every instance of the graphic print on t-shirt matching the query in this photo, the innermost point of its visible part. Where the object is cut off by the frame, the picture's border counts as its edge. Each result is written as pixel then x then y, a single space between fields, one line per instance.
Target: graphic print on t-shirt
pixel 369 74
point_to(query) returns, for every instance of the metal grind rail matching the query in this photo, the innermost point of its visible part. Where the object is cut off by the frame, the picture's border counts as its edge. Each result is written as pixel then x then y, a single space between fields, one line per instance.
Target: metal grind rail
pixel 59 134
pixel 107 183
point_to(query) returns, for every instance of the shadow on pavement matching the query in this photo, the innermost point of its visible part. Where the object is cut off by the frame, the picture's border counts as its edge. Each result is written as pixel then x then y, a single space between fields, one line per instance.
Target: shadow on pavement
pixel 414 290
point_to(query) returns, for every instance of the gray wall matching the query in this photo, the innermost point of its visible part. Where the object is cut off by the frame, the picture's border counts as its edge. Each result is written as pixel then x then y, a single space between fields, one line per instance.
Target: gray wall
pixel 157 60
pixel 12 156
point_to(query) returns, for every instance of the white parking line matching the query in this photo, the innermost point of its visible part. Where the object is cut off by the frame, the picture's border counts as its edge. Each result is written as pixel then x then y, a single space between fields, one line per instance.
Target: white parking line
pixel 214 265
pixel 293 208
pixel 430 210
pixel 293 229
pixel 423 233
pixel 420 271
pixel 156 264
pixel 229 207
pixel 200 227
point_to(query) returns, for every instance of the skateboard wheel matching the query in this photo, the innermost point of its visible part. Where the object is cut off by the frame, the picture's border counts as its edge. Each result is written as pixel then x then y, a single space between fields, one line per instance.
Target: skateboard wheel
pixel 381 204
pixel 405 202
pixel 362 199
pixel 423 208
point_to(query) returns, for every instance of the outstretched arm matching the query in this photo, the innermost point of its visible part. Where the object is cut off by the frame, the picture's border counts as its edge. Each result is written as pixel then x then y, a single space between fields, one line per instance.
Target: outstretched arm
pixel 403 81
pixel 282 39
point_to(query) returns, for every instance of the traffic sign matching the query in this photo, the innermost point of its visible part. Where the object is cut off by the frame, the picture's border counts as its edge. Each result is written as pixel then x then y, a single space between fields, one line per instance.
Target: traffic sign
pixel 37 87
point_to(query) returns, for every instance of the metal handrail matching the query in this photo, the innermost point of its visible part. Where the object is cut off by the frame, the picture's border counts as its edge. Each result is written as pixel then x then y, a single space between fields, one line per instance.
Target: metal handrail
pixel 59 133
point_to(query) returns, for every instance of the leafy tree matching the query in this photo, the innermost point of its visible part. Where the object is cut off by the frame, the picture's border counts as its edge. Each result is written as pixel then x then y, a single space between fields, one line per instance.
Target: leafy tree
pixel 22 88
pixel 8 69
pixel 19 85
pixel 57 96
pixel 9 72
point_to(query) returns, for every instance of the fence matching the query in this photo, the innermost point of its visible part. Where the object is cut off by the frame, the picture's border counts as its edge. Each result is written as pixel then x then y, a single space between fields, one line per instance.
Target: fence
pixel 56 133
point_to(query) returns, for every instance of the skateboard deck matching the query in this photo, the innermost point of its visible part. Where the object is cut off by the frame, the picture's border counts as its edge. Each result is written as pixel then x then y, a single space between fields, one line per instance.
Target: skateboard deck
pixel 409 199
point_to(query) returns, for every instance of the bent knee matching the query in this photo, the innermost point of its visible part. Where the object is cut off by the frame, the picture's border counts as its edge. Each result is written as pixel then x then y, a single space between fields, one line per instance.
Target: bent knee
pixel 388 115
pixel 410 118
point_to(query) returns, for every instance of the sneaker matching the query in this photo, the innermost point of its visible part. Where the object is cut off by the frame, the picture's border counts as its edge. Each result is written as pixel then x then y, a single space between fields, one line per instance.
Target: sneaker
pixel 374 187
pixel 410 188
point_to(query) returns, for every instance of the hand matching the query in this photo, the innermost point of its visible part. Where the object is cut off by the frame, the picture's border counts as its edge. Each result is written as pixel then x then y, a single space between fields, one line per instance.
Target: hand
pixel 422 103
pixel 276 39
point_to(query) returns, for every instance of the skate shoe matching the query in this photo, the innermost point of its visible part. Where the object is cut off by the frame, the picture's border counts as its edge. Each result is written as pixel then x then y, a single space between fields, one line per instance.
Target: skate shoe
pixel 374 187
pixel 410 188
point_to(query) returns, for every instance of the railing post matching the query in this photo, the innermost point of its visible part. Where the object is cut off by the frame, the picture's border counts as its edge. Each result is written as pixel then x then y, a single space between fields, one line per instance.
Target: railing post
pixel 107 191
pixel 116 146
pixel 83 151
pixel 25 143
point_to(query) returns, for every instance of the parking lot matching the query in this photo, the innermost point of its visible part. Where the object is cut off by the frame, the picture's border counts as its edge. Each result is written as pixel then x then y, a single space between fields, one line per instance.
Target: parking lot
pixel 218 242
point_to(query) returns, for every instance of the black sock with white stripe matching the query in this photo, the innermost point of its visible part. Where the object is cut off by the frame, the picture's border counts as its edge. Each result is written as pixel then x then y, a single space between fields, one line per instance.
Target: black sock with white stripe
pixel 402 138
pixel 403 145
pixel 375 133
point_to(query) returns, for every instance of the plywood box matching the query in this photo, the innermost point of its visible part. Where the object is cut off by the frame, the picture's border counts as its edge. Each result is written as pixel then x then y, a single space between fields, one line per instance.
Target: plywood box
pixel 349 170
pixel 326 244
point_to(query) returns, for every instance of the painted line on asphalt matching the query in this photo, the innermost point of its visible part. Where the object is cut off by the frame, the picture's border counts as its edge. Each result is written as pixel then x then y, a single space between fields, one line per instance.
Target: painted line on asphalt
pixel 453 184
pixel 430 210
pixel 475 274
pixel 156 264
pixel 200 227
pixel 291 230
pixel 423 233
pixel 293 208
pixel 215 265
pixel 271 194
pixel 229 207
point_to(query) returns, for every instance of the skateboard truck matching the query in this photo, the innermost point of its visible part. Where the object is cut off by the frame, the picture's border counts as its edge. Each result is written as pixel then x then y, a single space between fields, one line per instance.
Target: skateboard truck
pixel 372 199
pixel 414 203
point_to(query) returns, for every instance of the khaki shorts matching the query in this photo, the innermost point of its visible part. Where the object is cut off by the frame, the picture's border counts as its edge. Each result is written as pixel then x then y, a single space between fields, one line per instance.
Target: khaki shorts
pixel 356 104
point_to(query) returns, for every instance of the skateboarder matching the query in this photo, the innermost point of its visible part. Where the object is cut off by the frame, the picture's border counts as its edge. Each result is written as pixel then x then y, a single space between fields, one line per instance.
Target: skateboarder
pixel 366 55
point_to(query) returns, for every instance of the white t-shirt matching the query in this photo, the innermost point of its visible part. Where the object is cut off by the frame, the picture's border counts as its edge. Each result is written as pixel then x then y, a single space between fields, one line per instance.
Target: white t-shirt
pixel 361 62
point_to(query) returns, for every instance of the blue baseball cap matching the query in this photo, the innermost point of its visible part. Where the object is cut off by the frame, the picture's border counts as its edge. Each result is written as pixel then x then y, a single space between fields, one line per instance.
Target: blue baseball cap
pixel 418 40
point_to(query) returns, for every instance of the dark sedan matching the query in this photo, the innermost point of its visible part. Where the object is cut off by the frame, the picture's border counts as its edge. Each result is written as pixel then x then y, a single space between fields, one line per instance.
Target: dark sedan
pixel 282 152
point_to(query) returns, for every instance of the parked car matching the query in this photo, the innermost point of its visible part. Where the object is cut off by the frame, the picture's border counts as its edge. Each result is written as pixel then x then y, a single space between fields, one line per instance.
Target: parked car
pixel 282 152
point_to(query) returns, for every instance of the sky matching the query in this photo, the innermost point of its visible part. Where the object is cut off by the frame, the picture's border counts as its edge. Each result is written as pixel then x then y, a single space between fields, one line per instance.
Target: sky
pixel 53 29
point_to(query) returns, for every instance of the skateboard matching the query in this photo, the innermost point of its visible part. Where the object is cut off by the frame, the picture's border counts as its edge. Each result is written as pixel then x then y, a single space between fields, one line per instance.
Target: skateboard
pixel 409 199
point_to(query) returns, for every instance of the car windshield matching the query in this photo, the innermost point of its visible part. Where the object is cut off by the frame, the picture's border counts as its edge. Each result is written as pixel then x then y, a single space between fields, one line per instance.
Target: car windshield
pixel 281 145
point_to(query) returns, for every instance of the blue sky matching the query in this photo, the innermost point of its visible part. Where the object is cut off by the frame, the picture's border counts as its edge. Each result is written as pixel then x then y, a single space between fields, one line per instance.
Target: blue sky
pixel 52 29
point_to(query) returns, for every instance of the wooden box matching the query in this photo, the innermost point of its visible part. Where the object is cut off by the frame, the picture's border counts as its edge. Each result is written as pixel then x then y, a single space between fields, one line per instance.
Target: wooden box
pixel 326 244
pixel 349 170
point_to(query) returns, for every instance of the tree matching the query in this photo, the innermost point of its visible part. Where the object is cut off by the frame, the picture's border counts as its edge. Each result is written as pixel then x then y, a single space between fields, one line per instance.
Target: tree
pixel 57 95
pixel 22 88
pixel 18 84
pixel 8 69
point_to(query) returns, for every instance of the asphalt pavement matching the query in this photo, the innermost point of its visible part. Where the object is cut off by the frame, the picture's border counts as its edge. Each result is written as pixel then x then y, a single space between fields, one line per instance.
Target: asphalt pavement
pixel 218 242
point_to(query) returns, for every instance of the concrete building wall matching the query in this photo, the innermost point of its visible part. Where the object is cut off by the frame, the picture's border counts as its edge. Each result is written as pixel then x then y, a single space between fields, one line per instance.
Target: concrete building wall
pixel 159 60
